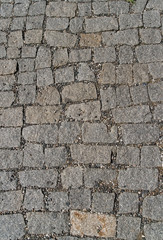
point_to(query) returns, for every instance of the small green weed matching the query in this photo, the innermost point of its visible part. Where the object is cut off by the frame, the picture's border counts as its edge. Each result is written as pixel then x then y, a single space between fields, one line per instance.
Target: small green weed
pixel 131 1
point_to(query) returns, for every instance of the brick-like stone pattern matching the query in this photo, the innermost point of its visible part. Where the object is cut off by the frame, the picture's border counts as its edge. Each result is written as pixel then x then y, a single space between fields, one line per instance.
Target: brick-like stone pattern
pixel 81 110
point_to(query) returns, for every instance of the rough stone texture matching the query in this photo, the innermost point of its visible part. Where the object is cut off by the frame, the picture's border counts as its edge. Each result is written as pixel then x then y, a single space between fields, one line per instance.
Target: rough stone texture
pixel 12 226
pixel 79 92
pixel 153 231
pixel 128 227
pixel 103 202
pixel 140 133
pixel 98 132
pixel 150 156
pixel 72 177
pixel 10 201
pixel 33 200
pixel 80 119
pixel 138 178
pixel 152 207
pixel 33 178
pixel 47 223
pixel 128 202
pixel 91 154
pixel 90 224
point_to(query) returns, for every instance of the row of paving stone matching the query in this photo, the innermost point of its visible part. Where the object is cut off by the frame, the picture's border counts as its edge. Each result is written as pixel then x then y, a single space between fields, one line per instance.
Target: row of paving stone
pixel 80 117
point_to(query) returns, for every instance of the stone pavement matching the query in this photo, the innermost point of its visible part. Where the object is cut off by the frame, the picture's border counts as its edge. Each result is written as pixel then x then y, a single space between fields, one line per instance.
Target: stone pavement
pixel 81 96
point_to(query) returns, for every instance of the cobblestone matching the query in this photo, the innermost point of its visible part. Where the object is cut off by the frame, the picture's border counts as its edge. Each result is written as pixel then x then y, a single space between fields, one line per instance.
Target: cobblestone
pixel 80 119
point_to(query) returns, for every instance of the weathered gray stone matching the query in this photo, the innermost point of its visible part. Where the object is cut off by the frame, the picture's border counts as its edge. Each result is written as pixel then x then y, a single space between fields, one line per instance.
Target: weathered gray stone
pixel 158 112
pixel 118 7
pixel 10 137
pixel 107 75
pixel 153 231
pixel 33 36
pixel 79 92
pixel 108 98
pixel 69 132
pixel 21 8
pixel 47 223
pixel 123 97
pixel 76 24
pixel 26 78
pixel 6 10
pixel 80 198
pixel 124 74
pixel 34 178
pixel 100 8
pixel 91 154
pixel 84 9
pixel 128 227
pixel 139 133
pixel 11 117
pixel 7 67
pixel 156 91
pixel 92 224
pixel 6 99
pixel 43 58
pixel 10 201
pixel 155 4
pixel 26 94
pixel 128 202
pixel 130 21
pixel 98 133
pixel 84 111
pixel 55 157
pixel 33 200
pixel 132 114
pixel 156 70
pixel 72 177
pixel 150 156
pixel 26 65
pixel 149 53
pixel 3 38
pixel 33 155
pixel 139 5
pixel 90 40
pixel 125 54
pixel 48 96
pixel 150 35
pixel 11 159
pixel 6 82
pixel 103 202
pixel 139 94
pixel 95 176
pixel 128 156
pixel 37 8
pixel 60 39
pixel 128 37
pixel 57 201
pixel 44 77
pixel 61 9
pixel 42 114
pixel 46 133
pixel 138 178
pixel 85 73
pixel 2 52
pixel 18 23
pixel 80 55
pixel 140 73
pixel 12 226
pixel 8 181
pixel 63 75
pixel 151 18
pixel 100 24
pixel 28 52
pixel 60 57
pixel 152 207
pixel 57 23
pixel 104 54
pixel 34 22
pixel 13 52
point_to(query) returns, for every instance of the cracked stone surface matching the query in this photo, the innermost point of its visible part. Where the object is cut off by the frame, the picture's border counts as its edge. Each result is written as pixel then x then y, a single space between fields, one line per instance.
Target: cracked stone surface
pixel 81 113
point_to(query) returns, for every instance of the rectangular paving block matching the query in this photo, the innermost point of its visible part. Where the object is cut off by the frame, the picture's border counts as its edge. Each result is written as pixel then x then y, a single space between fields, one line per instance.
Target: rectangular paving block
pixel 10 137
pixel 92 224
